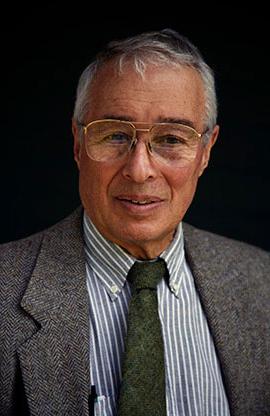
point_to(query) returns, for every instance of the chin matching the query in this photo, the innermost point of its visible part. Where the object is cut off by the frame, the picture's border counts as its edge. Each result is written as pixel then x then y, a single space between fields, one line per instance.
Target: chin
pixel 143 233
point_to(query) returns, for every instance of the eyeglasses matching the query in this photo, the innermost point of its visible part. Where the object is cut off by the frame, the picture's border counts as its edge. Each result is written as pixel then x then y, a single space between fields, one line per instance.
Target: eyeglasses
pixel 170 143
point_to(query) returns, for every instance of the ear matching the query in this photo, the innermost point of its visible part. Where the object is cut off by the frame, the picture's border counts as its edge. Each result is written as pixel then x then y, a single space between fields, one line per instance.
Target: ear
pixel 207 149
pixel 76 143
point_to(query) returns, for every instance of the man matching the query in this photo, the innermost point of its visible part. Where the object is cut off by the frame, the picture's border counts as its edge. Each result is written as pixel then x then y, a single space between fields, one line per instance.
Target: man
pixel 144 125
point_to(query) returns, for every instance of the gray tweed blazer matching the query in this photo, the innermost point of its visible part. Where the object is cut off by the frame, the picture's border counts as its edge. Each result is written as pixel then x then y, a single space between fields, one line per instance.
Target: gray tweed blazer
pixel 44 322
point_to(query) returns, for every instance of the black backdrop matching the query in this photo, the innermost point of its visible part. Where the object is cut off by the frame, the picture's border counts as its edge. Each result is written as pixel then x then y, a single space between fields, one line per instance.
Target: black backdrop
pixel 43 54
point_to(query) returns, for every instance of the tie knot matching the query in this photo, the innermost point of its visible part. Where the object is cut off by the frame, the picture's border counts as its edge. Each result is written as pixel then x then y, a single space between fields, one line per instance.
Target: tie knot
pixel 146 274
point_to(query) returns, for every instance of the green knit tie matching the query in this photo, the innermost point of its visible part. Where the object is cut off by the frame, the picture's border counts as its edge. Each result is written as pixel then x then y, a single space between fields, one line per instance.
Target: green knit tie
pixel 142 391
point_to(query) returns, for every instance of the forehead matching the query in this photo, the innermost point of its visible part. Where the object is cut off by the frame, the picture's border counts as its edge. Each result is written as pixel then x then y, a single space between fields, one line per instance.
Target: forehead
pixel 162 92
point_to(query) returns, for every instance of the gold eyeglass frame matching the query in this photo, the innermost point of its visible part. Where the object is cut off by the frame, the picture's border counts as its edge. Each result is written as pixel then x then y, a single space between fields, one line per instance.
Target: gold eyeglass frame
pixel 142 129
pixel 132 124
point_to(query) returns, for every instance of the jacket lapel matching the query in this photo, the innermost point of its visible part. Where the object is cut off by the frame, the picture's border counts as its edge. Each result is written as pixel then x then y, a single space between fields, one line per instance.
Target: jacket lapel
pixel 225 291
pixel 55 360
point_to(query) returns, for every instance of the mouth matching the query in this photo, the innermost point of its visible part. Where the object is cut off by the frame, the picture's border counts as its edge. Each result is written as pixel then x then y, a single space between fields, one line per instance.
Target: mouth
pixel 140 200
pixel 139 204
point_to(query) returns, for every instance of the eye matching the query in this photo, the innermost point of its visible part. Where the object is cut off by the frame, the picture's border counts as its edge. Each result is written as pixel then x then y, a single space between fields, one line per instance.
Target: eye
pixel 117 139
pixel 169 140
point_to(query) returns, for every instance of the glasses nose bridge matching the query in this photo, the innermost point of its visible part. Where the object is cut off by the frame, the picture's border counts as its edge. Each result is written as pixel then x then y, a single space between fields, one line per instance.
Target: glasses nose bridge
pixel 142 129
pixel 147 142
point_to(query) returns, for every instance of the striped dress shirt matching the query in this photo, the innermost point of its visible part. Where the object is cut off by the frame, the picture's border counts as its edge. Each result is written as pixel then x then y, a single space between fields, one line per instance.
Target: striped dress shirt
pixel 194 384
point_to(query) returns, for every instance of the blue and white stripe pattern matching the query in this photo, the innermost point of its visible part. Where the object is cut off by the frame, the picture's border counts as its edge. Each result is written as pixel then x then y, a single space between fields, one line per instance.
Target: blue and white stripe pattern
pixel 194 385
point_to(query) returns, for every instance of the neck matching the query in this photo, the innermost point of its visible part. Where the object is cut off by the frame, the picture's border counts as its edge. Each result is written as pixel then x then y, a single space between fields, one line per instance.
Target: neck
pixel 145 250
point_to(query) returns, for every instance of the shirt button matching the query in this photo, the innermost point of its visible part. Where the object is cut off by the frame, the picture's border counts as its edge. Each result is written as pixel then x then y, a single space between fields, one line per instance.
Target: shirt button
pixel 175 287
pixel 114 289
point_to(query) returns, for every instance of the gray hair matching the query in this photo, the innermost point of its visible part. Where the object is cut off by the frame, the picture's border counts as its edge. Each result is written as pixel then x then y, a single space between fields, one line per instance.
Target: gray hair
pixel 165 47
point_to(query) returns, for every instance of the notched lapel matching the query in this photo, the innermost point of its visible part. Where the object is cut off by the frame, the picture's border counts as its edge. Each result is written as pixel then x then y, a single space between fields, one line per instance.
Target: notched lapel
pixel 55 360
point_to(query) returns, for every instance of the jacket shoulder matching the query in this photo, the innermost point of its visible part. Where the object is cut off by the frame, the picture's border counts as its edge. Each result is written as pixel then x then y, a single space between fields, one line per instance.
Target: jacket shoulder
pixel 18 258
pixel 14 254
pixel 225 249
pixel 16 250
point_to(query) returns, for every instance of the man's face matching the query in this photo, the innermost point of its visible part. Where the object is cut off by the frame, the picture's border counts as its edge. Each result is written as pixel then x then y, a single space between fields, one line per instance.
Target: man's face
pixel 111 191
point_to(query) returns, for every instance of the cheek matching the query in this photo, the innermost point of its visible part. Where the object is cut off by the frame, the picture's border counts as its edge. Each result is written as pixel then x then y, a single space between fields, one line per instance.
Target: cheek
pixel 183 185
pixel 179 179
pixel 95 179
pixel 90 181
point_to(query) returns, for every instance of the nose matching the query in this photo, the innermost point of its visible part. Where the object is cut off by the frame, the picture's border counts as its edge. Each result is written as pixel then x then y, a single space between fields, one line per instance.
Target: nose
pixel 139 166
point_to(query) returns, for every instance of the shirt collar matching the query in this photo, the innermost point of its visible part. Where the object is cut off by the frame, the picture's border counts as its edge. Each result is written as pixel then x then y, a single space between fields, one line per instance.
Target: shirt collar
pixel 111 263
pixel 174 257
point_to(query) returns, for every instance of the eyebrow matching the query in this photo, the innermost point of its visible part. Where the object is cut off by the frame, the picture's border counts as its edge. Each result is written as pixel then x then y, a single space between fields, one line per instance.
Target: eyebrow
pixel 122 118
pixel 184 121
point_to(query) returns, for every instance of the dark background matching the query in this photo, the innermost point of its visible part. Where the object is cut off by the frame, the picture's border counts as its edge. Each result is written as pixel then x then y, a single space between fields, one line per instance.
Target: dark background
pixel 43 53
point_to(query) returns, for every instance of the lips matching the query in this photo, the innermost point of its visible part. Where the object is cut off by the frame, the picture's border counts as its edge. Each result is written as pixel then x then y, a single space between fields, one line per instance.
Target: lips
pixel 139 199
pixel 141 202
pixel 139 206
